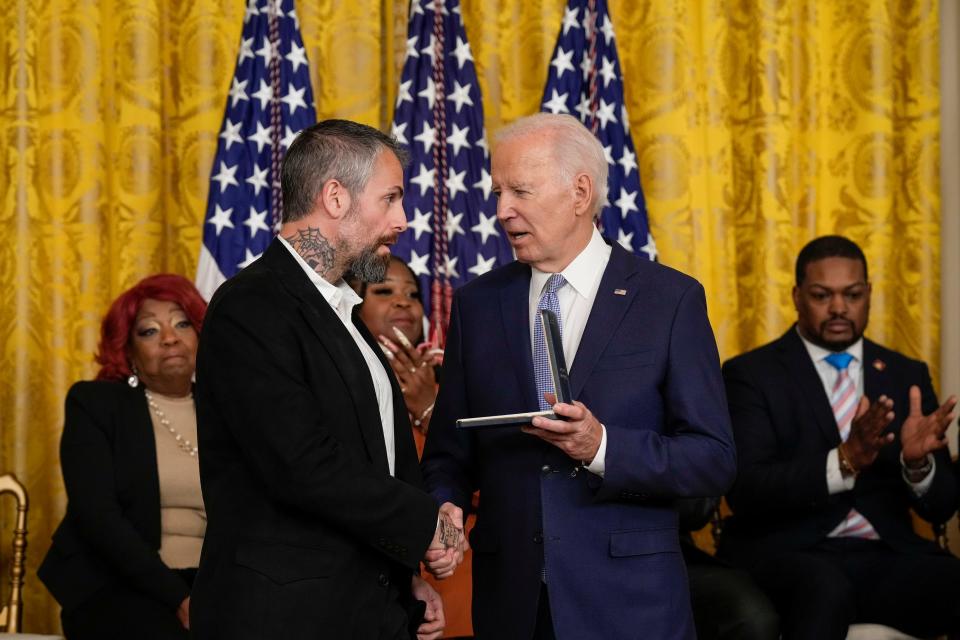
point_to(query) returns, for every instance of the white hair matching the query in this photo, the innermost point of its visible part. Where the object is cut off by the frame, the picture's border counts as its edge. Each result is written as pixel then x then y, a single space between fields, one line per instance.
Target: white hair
pixel 575 149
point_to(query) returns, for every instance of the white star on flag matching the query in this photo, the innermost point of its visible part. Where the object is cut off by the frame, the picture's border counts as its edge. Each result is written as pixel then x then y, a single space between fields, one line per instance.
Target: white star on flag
pixel 483 265
pixel 486 227
pixel 557 103
pixel 418 264
pixel 257 221
pixel 420 223
pixel 221 219
pixel 231 133
pixel 562 62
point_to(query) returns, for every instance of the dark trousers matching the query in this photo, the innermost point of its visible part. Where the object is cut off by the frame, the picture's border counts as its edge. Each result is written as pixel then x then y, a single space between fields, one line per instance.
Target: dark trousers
pixel 728 605
pixel 820 592
pixel 119 612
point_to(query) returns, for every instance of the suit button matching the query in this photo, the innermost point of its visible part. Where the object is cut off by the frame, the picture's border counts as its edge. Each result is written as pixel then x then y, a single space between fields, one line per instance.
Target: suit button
pixel 538 538
pixel 383 580
pixel 545 469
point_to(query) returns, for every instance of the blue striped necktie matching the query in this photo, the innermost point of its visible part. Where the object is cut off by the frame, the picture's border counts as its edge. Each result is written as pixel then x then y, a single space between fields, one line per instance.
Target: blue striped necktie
pixel 541 362
pixel 843 400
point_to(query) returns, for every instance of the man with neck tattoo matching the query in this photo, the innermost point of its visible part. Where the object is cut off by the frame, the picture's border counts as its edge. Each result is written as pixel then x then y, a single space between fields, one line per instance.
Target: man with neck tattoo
pixel 317 521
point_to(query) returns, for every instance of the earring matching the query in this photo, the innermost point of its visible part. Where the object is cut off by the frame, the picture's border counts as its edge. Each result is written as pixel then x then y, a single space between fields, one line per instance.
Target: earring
pixel 133 380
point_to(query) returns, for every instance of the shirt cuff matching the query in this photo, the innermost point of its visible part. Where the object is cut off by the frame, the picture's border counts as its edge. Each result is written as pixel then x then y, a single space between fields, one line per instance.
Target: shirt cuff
pixel 598 466
pixel 836 483
pixel 919 488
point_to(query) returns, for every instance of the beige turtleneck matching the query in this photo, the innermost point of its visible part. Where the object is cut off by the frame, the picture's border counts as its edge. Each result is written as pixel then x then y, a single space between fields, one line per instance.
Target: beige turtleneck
pixel 183 519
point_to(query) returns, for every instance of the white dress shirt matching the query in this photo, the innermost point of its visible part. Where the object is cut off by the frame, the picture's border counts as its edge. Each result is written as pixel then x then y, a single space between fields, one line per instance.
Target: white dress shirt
pixel 342 299
pixel 576 298
pixel 836 483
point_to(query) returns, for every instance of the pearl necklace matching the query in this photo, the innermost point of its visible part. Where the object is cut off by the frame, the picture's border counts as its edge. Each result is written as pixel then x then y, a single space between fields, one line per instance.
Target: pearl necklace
pixel 182 442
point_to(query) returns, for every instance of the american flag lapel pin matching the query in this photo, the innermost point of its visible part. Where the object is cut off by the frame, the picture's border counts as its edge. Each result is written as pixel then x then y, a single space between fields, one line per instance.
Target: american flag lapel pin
pixel 879 364
pixel 619 292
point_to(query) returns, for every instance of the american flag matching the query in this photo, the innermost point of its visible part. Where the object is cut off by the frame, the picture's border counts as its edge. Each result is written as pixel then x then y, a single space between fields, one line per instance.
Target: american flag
pixel 453 234
pixel 585 79
pixel 270 101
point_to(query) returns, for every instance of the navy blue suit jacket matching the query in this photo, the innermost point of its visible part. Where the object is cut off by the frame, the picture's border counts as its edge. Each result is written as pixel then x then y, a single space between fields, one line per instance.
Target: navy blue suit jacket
pixel 784 429
pixel 647 367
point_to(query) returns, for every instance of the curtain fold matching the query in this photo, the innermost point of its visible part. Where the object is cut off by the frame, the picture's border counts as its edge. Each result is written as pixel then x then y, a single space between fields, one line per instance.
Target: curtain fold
pixel 759 124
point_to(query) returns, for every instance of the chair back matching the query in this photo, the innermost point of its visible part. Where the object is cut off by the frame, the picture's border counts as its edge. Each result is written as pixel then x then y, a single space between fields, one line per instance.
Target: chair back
pixel 11 615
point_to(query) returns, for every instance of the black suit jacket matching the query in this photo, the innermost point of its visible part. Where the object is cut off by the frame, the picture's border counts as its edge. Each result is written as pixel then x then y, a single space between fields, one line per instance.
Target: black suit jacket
pixel 111 531
pixel 784 428
pixel 307 532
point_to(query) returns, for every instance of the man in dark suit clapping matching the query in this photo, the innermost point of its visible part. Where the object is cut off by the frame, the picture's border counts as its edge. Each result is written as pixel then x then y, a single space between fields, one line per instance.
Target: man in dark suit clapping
pixel 837 438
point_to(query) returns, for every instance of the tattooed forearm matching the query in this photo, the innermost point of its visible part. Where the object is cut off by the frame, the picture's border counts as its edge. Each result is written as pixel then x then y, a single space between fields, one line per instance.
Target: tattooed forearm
pixel 314 249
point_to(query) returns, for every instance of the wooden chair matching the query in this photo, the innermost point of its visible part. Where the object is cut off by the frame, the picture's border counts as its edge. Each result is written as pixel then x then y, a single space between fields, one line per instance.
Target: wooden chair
pixel 11 616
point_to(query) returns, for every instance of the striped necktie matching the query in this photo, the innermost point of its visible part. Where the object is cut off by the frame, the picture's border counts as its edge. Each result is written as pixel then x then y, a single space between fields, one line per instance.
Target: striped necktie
pixel 541 361
pixel 843 399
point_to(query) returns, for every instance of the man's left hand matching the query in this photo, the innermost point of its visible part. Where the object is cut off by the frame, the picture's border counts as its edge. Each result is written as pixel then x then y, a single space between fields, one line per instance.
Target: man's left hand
pixel 922 434
pixel 578 436
pixel 433 619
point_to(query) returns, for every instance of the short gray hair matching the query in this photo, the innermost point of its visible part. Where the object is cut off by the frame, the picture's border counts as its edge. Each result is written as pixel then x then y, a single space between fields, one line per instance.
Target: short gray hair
pixel 575 149
pixel 330 150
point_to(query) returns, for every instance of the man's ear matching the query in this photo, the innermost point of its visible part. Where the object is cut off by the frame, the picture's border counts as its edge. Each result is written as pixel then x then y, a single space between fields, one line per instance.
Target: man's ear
pixel 582 193
pixel 796 297
pixel 334 198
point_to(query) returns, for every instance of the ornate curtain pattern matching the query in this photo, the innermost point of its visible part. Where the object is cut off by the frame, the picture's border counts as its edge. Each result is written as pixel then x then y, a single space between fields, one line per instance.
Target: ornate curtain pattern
pixel 759 124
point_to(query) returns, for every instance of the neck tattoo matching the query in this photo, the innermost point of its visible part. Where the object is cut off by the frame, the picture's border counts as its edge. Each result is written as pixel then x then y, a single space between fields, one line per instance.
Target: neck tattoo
pixel 315 250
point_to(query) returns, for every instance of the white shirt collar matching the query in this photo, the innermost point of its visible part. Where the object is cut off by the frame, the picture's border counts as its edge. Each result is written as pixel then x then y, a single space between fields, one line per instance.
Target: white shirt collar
pixel 582 272
pixel 339 296
pixel 818 353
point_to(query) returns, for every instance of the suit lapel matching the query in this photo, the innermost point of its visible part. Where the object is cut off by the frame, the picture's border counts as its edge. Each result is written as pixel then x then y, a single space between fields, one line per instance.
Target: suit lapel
pixel 515 313
pixel 344 353
pixel 143 451
pixel 797 361
pixel 606 315
pixel 874 372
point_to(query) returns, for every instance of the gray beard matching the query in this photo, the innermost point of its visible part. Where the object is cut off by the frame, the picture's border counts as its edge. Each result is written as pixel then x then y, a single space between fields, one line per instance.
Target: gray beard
pixel 370 267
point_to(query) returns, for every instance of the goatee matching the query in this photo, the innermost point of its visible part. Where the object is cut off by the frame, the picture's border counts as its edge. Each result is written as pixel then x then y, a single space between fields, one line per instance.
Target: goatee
pixel 370 266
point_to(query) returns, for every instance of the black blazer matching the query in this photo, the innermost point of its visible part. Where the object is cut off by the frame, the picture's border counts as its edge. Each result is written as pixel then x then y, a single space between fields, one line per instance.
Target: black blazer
pixel 111 531
pixel 784 427
pixel 306 528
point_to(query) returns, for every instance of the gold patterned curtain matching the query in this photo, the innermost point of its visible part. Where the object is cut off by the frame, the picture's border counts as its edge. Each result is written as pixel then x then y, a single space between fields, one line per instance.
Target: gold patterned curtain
pixel 759 125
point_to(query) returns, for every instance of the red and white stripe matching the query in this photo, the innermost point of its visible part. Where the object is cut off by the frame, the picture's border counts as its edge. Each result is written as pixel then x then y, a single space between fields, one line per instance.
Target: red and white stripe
pixel 854 526
pixel 843 399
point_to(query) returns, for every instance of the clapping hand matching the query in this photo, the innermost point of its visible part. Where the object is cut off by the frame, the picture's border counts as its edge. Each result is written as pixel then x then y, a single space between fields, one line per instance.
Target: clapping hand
pixel 418 382
pixel 867 435
pixel 922 434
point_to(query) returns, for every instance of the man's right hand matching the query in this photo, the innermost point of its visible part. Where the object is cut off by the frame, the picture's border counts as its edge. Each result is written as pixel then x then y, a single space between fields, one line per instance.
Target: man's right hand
pixel 866 432
pixel 449 543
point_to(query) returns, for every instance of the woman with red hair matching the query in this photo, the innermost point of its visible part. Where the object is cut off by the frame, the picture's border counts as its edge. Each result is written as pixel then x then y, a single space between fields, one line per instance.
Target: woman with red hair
pixel 123 559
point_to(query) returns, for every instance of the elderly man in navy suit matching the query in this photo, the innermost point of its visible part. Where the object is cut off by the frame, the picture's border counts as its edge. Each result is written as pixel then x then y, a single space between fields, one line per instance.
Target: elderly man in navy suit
pixel 576 532
pixel 837 438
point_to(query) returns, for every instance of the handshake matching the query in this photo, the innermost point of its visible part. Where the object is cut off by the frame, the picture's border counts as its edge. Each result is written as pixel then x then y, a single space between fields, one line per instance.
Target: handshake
pixel 449 543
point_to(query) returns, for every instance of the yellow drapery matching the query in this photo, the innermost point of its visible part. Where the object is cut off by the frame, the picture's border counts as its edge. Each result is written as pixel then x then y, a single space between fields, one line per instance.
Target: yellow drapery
pixel 759 124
